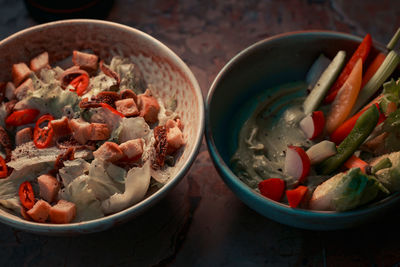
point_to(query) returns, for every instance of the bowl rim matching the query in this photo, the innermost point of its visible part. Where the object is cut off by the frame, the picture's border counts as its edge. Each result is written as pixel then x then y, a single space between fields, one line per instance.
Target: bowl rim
pixel 108 221
pixel 240 187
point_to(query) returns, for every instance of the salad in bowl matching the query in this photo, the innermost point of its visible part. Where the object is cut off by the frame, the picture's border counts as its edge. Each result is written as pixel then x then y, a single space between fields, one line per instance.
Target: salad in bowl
pixel 81 140
pixel 335 149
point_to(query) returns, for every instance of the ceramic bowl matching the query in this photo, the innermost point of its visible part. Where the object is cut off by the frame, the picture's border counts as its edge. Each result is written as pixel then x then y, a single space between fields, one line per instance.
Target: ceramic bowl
pixel 242 84
pixel 161 68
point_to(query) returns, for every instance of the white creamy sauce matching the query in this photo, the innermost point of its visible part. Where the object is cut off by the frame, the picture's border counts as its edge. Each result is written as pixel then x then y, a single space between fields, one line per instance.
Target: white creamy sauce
pixel 262 143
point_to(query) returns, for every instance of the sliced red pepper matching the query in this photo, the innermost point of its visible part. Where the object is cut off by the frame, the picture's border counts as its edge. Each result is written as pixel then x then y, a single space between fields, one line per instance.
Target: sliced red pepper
pixel 22 117
pixel 3 168
pixel 110 108
pixel 26 195
pixel 295 196
pixel 361 52
pixel 42 136
pixel 80 84
pixel 343 130
pixel 355 162
pixel 272 188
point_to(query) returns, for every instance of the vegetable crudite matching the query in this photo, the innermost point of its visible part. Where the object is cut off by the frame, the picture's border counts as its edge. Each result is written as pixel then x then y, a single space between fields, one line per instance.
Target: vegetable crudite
pixel 88 139
pixel 338 148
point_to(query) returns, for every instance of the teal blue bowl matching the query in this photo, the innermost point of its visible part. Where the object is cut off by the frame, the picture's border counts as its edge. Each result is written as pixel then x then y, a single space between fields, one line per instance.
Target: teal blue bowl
pixel 242 84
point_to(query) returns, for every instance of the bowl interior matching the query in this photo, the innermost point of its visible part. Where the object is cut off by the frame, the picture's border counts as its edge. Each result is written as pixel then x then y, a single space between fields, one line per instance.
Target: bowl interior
pixel 251 77
pixel 162 69
pixel 256 75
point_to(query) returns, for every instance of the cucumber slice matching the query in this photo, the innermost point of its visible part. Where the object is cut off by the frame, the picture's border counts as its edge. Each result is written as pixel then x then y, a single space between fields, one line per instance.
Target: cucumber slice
pixel 324 83
pixel 316 70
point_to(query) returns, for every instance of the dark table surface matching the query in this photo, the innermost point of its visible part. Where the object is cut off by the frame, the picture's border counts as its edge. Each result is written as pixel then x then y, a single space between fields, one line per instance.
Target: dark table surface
pixel 201 222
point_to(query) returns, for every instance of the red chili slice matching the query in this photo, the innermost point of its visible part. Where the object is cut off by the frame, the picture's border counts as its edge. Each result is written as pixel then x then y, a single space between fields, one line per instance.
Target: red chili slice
pixel 22 117
pixel 26 195
pixel 3 168
pixel 80 84
pixel 113 110
pixel 42 136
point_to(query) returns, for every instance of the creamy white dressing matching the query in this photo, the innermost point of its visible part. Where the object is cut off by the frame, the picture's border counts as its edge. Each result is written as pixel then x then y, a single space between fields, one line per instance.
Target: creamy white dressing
pixel 263 143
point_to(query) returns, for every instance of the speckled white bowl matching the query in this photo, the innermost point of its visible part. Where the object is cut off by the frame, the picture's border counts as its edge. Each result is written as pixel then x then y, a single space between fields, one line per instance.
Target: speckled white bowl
pixel 167 73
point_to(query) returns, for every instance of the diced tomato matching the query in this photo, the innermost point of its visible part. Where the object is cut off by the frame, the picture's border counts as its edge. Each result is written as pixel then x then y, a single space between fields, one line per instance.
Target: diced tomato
pixel 22 117
pixel 3 168
pixel 272 188
pixel 42 137
pixel 80 84
pixel 26 195
pixel 295 196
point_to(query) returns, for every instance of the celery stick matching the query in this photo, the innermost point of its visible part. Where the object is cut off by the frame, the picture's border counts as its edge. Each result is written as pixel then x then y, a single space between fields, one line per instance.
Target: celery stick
pixel 324 83
pixel 394 40
pixel 385 70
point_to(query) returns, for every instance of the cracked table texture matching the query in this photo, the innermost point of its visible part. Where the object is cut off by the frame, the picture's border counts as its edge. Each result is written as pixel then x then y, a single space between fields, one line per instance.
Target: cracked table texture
pixel 201 222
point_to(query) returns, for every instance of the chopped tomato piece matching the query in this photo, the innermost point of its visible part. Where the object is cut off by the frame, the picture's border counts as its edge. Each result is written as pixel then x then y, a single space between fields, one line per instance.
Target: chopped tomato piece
pixel 3 168
pixel 272 188
pixel 26 195
pixel 80 84
pixel 42 136
pixel 295 196
pixel 22 117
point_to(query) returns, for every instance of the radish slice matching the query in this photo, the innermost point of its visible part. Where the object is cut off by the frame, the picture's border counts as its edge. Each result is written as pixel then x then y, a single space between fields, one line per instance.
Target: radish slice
pixel 313 124
pixel 297 163
pixel 321 151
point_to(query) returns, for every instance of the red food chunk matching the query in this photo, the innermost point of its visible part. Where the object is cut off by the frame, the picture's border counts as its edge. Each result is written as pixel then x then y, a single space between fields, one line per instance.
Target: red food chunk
pixel 20 72
pixel 85 61
pixel 60 127
pixel 62 212
pixel 26 195
pixel 81 130
pixel 40 211
pixel 99 131
pixel 109 151
pixel 295 196
pixel 39 62
pixel 174 139
pixel 148 107
pixel 132 149
pixel 23 136
pixel 272 188
pixel 49 187
pixel 127 107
